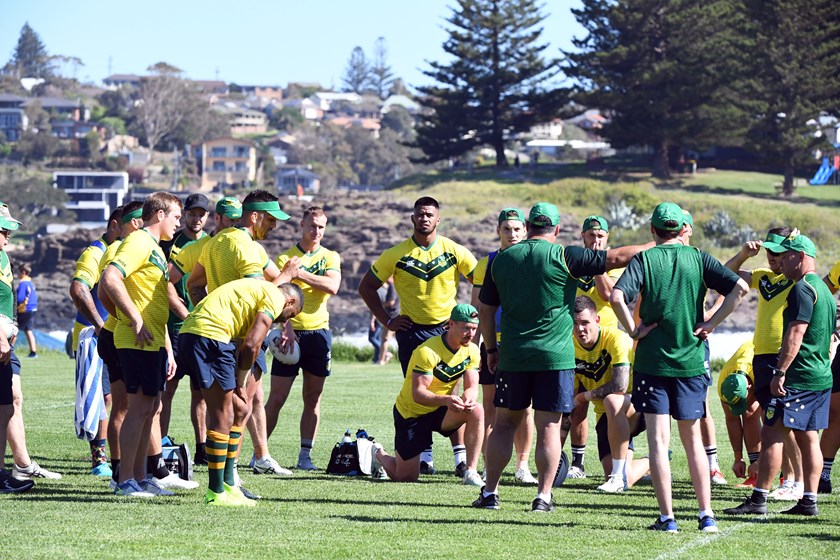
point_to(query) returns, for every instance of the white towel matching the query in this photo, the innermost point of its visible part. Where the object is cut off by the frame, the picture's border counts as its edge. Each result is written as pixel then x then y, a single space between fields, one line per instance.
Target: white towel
pixel 90 404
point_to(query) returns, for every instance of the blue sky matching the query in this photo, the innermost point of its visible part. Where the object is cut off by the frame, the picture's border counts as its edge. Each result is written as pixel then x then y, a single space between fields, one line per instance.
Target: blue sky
pixel 247 42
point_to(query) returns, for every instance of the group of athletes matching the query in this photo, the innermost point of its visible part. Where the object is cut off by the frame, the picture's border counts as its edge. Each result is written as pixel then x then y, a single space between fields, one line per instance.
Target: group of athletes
pixel 164 304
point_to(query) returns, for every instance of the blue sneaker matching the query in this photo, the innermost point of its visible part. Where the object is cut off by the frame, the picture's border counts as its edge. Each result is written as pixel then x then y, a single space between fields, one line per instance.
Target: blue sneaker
pixel 707 524
pixel 102 470
pixel 668 526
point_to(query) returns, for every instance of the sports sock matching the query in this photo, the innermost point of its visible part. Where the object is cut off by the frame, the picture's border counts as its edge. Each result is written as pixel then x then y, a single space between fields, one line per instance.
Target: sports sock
pixel 711 455
pixel 485 493
pixel 427 457
pixel 233 447
pixel 97 452
pixel 156 467
pixel 809 497
pixel 753 457
pixel 577 456
pixel 759 496
pixel 460 454
pixel 217 446
pixel 115 469
pixel 664 518
pixel 545 497
pixel 705 513
pixel 305 448
pixel 827 464
pixel 618 466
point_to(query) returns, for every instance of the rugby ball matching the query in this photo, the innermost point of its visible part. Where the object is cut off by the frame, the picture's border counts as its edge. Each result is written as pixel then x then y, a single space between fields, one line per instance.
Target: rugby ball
pixel 562 470
pixel 8 326
pixel 274 339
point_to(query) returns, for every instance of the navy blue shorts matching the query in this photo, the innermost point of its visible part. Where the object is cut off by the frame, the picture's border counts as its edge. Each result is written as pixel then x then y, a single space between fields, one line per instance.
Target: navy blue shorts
pixel 414 435
pixel 6 373
pixel 26 321
pixel 547 391
pixel 409 339
pixel 108 352
pixel 804 411
pixel 763 365
pixel 835 373
pixel 315 355
pixel 601 429
pixel 260 362
pixel 208 361
pixel 484 375
pixel 143 370
pixel 684 398
pixel 181 369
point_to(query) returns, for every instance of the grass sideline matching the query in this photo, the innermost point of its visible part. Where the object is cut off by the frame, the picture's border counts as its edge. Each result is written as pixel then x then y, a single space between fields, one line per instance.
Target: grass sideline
pixel 313 515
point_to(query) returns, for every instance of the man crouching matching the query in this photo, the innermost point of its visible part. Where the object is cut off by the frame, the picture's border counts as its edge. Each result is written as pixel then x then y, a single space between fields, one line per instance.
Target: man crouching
pixel 427 402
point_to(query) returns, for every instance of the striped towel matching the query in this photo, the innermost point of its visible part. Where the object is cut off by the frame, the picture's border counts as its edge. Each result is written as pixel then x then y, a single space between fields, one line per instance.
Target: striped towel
pixel 90 404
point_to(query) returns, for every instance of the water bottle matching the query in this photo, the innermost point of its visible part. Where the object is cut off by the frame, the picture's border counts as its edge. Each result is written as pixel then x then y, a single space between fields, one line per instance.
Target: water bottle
pixel 346 438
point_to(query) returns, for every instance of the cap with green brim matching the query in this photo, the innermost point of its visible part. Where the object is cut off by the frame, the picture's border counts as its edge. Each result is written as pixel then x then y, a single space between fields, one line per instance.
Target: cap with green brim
pixel 511 214
pixel 6 220
pixel 229 206
pixel 798 243
pixel 272 207
pixel 733 391
pixel 544 214
pixel 687 218
pixel 666 215
pixel 464 313
pixel 134 214
pixel 595 222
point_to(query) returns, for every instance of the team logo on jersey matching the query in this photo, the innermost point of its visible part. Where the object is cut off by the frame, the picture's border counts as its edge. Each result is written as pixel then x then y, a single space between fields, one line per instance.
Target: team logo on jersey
pixel 586 283
pixel 594 370
pixel 448 374
pixel 430 270
pixel 316 268
pixel 769 290
pixel 159 262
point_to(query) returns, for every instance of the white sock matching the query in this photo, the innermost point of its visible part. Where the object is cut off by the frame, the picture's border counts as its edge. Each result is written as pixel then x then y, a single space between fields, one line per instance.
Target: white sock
pixel 705 513
pixel 711 454
pixel 545 497
pixel 618 466
pixel 460 454
pixel 427 457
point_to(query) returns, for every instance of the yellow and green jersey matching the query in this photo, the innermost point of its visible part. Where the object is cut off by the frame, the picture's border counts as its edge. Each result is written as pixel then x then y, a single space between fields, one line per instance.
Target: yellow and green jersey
pixel 141 262
pixel 314 314
pixel 773 290
pixel 594 366
pixel 426 278
pixel 446 366
pixel 87 272
pixel 183 259
pixel 111 321
pixel 586 287
pixel 741 361
pixel 834 276
pixel 7 287
pixel 231 255
pixel 228 312
pixel 479 274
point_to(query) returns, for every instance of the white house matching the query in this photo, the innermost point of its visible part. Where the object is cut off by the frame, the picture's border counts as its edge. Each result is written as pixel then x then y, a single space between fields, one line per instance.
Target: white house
pixel 93 194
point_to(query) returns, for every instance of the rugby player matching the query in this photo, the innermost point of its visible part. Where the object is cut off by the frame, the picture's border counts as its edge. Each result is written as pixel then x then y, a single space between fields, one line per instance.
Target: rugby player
pixel 830 440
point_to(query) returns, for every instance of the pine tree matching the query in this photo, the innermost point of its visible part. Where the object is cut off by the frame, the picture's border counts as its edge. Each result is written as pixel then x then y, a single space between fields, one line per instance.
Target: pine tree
pixel 357 75
pixel 668 74
pixel 797 61
pixel 494 85
pixel 381 75
pixel 30 58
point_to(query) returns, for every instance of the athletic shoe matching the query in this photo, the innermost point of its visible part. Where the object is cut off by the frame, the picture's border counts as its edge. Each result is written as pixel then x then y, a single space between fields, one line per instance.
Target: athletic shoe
pixel 33 471
pixel 174 482
pixel 306 464
pixel 667 526
pixel 102 470
pixel 11 485
pixel 824 485
pixel 789 491
pixel 427 468
pixel 614 484
pixel 472 478
pixel 541 506
pixel 112 484
pixel 809 509
pixel 707 524
pixel 236 493
pixel 747 507
pixel 576 472
pixel 486 502
pixel 749 482
pixel 248 494
pixel 131 489
pixel 377 471
pixel 32 355
pixel 524 476
pixel 461 469
pixel 267 465
pixel 223 499
pixel 717 477
pixel 149 485
pixel 253 460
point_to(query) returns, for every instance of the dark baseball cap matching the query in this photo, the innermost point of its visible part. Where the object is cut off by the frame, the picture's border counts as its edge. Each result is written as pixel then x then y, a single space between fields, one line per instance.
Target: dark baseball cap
pixel 197 200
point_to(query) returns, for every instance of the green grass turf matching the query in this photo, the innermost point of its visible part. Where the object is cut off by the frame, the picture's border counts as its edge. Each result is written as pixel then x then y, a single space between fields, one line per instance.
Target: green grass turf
pixel 313 515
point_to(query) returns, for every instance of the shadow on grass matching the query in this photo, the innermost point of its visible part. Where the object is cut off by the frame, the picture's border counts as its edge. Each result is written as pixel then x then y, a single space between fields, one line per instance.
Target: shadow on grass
pixel 819 537
pixel 675 185
pixel 411 520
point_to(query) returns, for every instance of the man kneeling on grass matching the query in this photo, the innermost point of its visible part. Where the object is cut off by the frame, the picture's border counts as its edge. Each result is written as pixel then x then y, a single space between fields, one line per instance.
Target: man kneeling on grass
pixel 427 403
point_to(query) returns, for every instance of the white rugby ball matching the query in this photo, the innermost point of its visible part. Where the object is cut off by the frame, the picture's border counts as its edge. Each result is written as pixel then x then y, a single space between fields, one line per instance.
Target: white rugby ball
pixel 292 357
pixel 8 326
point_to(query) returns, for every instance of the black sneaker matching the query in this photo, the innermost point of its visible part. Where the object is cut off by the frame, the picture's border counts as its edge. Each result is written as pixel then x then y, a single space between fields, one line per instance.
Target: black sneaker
pixel 541 506
pixel 200 457
pixel 486 502
pixel 802 508
pixel 250 495
pixel 461 469
pixel 667 526
pixel 10 485
pixel 824 486
pixel 426 468
pixel 747 507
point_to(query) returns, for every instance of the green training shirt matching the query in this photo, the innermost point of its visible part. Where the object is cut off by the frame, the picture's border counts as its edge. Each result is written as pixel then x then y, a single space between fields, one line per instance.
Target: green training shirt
pixel 811 301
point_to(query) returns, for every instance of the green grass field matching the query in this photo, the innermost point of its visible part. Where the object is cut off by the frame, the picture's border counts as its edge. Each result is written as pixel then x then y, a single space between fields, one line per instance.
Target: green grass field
pixel 319 516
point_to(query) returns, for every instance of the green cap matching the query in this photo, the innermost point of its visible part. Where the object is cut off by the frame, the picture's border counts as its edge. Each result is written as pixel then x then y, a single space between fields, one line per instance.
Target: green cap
pixel 733 391
pixel 137 213
pixel 272 207
pixel 667 212
pixel 774 238
pixel 544 214
pixel 229 206
pixel 511 214
pixel 6 220
pixel 595 222
pixel 798 243
pixel 464 313
pixel 687 218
